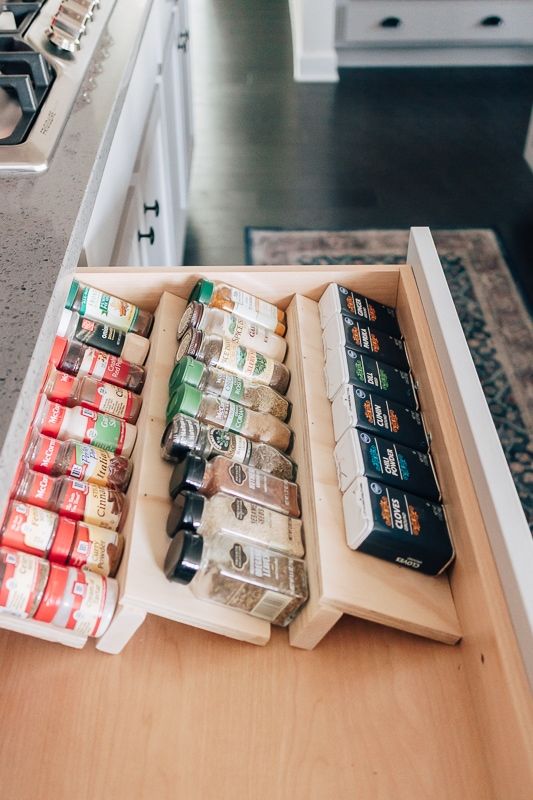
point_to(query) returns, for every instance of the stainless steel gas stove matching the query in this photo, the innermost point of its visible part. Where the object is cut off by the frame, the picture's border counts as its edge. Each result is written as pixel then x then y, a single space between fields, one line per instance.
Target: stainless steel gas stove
pixel 45 48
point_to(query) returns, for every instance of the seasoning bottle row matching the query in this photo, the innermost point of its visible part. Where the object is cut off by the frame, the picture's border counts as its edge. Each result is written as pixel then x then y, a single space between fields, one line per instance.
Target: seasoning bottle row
pixel 90 393
pixel 234 328
pixel 211 380
pixel 76 359
pixel 66 597
pixel 217 294
pixel 61 540
pixel 185 435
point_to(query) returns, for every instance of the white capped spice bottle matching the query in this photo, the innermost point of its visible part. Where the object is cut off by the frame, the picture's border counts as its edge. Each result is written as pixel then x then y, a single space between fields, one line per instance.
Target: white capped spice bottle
pixel 193 511
pixel 236 329
pixel 232 571
pixel 86 426
pixel 216 294
pixel 106 308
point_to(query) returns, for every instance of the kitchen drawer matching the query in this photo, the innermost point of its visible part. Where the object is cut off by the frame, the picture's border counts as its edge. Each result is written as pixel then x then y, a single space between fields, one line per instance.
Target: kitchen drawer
pixel 417 22
pixel 489 530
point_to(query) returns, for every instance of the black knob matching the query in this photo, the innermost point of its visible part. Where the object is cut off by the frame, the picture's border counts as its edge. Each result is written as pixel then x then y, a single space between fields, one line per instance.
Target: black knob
pixel 183 38
pixel 391 22
pixel 150 235
pixel 492 22
pixel 154 208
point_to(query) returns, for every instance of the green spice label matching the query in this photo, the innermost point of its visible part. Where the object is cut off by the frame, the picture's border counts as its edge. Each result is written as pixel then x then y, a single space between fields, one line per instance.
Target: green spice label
pixel 105 308
pixel 246 362
pixel 231 445
pixel 104 431
pixel 233 388
pixel 230 415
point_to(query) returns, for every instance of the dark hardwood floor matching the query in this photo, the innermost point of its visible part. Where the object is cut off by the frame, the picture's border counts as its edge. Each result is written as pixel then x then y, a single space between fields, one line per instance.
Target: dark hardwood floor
pixel 383 148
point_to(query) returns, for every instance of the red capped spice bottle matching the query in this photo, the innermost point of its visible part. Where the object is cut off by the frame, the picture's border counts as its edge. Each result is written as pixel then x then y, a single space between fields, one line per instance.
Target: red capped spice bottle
pixel 77 500
pixel 91 393
pixel 23 579
pixel 77 359
pixel 80 461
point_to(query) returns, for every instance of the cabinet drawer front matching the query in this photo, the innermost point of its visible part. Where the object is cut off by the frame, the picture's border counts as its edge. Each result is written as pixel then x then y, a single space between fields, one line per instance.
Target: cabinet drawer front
pixel 401 23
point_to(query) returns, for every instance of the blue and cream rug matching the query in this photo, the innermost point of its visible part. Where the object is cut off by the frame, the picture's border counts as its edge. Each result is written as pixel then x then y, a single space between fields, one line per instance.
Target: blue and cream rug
pixel 497 326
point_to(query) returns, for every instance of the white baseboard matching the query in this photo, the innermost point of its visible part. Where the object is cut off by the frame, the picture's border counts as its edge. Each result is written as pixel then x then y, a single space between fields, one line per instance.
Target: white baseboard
pixel 434 56
pixel 316 67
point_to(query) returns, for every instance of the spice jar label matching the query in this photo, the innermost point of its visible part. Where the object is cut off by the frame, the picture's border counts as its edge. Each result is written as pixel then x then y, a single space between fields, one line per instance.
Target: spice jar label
pixel 39 489
pixel 90 464
pixel 104 308
pixel 53 420
pixel 246 362
pixel 95 548
pixel 92 504
pixel 233 446
pixel 113 400
pixel 103 337
pixel 88 599
pixel 29 528
pixel 23 581
pixel 103 431
pixel 238 474
pixel 46 458
pixel 385 379
pixel 103 366
pixel 230 415
pixel 251 307
pixel 233 388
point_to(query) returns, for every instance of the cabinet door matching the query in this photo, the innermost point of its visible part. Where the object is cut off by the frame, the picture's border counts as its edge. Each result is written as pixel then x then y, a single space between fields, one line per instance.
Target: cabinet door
pixel 127 252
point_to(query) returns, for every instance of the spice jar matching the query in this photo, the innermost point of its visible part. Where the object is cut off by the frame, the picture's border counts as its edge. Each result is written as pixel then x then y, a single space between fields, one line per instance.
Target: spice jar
pixel 130 346
pixel 23 579
pixel 76 359
pixel 222 475
pixel 81 461
pixel 78 600
pixel 184 435
pixel 70 498
pixel 106 308
pixel 86 426
pixel 193 511
pixel 231 571
pixel 224 354
pixel 236 329
pixel 231 416
pixel 90 393
pixel 219 295
pixel 44 533
pixel 231 387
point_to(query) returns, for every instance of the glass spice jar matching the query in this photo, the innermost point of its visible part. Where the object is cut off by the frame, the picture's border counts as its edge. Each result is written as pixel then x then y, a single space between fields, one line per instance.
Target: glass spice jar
pixel 211 380
pixel 184 435
pixel 76 359
pixel 80 461
pixel 216 294
pixel 231 416
pixel 224 354
pixel 106 308
pixel 232 571
pixel 23 579
pixel 222 475
pixel 90 393
pixel 193 511
pixel 236 329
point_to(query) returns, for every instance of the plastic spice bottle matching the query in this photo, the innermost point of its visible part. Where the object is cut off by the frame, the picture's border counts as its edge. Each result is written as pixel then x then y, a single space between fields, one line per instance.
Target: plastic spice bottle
pixel 236 329
pixel 219 295
pixel 77 500
pixel 76 359
pixel 231 416
pixel 86 426
pixel 232 571
pixel 222 475
pixel 184 435
pixel 129 346
pixel 80 461
pixel 110 310
pixel 193 511
pixel 78 600
pixel 44 533
pixel 90 393
pixel 23 579
pixel 231 387
pixel 224 354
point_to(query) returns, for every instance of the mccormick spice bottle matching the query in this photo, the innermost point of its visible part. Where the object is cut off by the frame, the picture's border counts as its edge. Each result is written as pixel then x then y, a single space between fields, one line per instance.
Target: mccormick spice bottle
pixel 43 533
pixel 86 426
pixel 129 346
pixel 78 600
pixel 184 435
pixel 231 387
pixel 90 393
pixel 231 416
pixel 224 354
pixel 219 295
pixel 101 307
pixel 232 571
pixel 236 329
pixel 76 359
pixel 77 500
pixel 23 579
pixel 222 475
pixel 80 461
pixel 193 511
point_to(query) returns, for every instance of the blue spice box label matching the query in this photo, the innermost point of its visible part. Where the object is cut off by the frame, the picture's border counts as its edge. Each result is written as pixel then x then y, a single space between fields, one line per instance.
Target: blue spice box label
pixel 365 339
pixel 345 365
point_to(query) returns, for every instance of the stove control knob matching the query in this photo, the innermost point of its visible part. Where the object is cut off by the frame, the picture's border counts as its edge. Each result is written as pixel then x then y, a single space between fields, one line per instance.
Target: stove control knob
pixel 68 25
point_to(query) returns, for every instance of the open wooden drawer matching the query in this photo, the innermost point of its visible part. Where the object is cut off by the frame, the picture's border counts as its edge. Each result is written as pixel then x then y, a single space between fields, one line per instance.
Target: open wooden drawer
pixel 495 698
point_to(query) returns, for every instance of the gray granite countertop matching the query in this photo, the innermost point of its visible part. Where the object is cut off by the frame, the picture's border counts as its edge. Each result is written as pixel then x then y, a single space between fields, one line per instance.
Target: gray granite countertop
pixel 43 220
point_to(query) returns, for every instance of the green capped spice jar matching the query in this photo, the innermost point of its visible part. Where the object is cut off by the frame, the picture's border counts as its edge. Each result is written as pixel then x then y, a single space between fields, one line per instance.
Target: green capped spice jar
pixel 229 415
pixel 232 357
pixel 220 295
pixel 102 307
pixel 215 381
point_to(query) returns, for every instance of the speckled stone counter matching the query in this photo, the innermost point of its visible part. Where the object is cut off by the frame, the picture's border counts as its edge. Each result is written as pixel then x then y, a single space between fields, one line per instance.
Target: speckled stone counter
pixel 43 220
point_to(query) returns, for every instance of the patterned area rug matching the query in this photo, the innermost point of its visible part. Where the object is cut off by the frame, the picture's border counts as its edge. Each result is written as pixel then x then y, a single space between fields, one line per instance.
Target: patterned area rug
pixel 497 326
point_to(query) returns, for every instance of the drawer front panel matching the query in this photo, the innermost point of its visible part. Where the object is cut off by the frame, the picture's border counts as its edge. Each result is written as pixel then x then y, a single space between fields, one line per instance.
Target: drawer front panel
pixel 400 23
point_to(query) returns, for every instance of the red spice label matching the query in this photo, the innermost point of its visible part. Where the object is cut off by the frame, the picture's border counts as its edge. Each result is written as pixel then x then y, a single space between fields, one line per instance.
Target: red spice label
pixel 28 528
pixel 105 367
pixel 92 548
pixel 46 457
pixel 88 600
pixel 92 504
pixel 112 400
pixel 74 499
pixel 39 489
pixel 22 581
pixel 62 388
pixel 55 414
